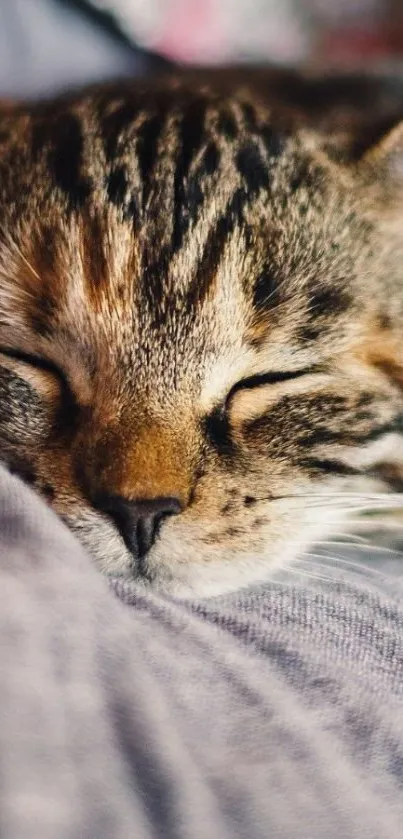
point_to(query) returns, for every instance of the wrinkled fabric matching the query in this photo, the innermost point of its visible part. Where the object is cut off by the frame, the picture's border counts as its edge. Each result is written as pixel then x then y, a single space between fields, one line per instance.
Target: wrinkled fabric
pixel 272 713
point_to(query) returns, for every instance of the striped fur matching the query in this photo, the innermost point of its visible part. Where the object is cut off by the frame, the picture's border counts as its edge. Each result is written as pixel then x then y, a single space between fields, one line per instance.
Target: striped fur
pixel 200 298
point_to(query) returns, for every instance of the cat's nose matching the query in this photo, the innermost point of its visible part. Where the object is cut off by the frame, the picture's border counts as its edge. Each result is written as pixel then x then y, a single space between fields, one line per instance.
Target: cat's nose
pixel 138 521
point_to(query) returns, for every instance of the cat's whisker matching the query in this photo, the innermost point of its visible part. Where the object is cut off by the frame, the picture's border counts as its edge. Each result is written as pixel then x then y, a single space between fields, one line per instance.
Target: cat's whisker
pixel 343 539
pixel 362 502
pixel 359 523
pixel 369 549
pixel 377 523
pixel 336 561
pixel 384 499
pixel 348 494
pixel 340 560
pixel 366 495
pixel 344 514
pixel 301 572
pixel 320 560
pixel 353 509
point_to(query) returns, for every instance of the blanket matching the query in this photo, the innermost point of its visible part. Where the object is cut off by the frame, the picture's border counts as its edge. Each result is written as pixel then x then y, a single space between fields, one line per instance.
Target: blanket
pixel 276 712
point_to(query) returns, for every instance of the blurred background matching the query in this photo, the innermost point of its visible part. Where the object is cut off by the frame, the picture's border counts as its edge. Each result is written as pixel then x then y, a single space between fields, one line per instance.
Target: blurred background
pixel 48 45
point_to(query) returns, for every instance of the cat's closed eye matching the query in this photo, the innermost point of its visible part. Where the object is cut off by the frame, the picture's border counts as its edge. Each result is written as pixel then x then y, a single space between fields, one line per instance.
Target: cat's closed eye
pixel 44 375
pixel 248 397
pixel 272 378
pixel 251 396
pixel 34 362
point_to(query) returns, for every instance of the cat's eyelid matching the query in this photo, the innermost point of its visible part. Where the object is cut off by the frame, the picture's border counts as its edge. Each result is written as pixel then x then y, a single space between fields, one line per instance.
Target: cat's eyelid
pixel 272 378
pixel 35 361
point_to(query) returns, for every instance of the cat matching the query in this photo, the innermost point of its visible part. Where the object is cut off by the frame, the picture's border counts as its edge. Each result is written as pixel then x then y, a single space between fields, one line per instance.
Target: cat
pixel 201 306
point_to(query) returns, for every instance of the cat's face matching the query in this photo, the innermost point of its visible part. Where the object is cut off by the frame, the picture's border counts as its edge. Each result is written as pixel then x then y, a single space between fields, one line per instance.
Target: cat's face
pixel 197 330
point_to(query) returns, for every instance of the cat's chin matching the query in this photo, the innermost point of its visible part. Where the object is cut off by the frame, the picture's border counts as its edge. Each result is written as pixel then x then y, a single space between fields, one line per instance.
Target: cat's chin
pixel 213 581
pixel 208 576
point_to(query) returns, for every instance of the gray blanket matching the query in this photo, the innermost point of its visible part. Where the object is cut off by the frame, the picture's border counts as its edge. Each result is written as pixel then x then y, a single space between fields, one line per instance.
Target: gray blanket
pixel 273 714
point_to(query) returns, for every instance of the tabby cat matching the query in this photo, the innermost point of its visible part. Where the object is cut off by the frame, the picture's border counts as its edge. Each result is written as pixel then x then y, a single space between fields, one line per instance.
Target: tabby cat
pixel 201 305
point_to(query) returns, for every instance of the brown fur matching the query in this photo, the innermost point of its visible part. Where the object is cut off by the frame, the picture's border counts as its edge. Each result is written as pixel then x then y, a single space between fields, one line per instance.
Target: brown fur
pixel 190 282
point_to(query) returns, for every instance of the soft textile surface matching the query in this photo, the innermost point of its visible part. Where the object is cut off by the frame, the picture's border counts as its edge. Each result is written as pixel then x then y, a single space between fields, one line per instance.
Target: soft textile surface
pixel 277 713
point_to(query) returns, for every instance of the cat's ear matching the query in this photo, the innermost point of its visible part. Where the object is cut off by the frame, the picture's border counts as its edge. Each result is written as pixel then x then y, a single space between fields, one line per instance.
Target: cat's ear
pixel 385 155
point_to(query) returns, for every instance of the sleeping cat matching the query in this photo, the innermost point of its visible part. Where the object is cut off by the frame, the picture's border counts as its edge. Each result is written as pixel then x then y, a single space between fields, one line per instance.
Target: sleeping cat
pixel 201 305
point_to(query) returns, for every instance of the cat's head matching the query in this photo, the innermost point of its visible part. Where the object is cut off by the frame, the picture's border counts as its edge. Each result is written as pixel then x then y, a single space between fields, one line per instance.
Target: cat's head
pixel 199 310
